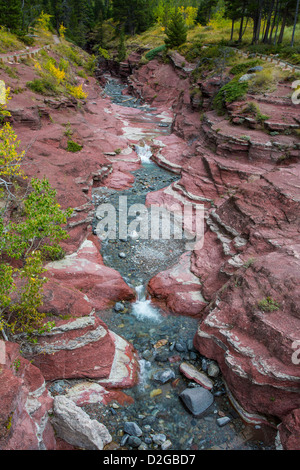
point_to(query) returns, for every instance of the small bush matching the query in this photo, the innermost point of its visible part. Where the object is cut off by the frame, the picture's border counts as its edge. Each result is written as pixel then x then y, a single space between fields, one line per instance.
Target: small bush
pixel 64 64
pixel 154 52
pixel 253 110
pixel 268 305
pixel 90 65
pixel 43 86
pixel 242 68
pixel 73 146
pixel 229 93
pixel 28 41
pixel 77 92
pixel 193 51
pixel 262 81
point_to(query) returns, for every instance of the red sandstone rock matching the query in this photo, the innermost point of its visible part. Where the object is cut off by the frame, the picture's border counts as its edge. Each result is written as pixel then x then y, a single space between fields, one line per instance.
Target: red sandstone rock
pixel 192 373
pixel 25 403
pixel 90 392
pixel 60 300
pixel 255 221
pixel 84 347
pixel 85 271
pixel 257 362
pixel 73 349
pixel 289 431
pixel 178 289
pixel 145 82
pixel 257 201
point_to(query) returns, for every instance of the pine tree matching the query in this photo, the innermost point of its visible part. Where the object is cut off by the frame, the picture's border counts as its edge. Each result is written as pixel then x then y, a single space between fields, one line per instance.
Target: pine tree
pixel 134 15
pixel 176 32
pixel 10 14
pixel 121 47
pixel 205 11
pixel 295 23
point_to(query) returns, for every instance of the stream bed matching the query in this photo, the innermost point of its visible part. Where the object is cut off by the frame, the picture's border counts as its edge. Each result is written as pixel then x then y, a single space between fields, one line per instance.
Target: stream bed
pixel 163 340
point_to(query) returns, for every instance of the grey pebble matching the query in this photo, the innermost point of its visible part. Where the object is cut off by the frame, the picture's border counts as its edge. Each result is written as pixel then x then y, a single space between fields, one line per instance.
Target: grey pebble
pixel 132 429
pixel 134 441
pixel 223 421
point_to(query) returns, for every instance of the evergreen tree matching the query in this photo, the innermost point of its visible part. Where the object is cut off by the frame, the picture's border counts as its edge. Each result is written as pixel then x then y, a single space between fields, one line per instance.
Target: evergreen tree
pixel 295 23
pixel 134 15
pixel 176 32
pixel 204 12
pixel 10 14
pixel 81 21
pixel 121 47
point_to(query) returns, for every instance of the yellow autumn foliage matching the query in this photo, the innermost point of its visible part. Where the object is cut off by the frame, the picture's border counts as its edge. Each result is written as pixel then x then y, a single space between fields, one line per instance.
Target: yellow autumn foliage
pixel 4 97
pixel 62 30
pixel 10 158
pixel 77 92
pixel 60 75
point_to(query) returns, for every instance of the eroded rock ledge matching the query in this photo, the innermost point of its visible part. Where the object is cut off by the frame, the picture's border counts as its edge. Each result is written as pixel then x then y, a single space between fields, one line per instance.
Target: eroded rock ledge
pixel 248 269
pixel 249 260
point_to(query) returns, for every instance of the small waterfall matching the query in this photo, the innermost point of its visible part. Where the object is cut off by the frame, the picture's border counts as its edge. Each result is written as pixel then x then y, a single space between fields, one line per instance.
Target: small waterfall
pixel 144 152
pixel 145 373
pixel 141 292
pixel 142 308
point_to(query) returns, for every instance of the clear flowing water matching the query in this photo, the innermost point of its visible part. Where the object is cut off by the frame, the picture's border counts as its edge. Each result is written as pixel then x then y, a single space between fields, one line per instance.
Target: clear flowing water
pixel 143 309
pixel 162 341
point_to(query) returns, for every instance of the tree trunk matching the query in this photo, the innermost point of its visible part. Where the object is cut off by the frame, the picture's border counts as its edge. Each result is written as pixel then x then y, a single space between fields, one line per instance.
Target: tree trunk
pixel 245 27
pixel 242 23
pixel 285 13
pixel 266 35
pixel 232 30
pixel 241 28
pixel 257 22
pixel 274 22
pixel 277 26
pixel 295 23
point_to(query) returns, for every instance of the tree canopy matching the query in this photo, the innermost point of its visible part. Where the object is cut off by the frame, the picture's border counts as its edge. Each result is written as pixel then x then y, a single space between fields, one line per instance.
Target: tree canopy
pixel 83 19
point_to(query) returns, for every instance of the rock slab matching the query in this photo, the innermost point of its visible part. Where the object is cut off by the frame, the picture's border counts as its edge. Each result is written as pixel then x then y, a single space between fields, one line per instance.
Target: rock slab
pixel 74 426
pixel 197 399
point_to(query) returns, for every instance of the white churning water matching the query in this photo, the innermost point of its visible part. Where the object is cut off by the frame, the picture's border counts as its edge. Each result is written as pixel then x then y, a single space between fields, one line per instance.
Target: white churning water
pixel 142 309
pixel 144 152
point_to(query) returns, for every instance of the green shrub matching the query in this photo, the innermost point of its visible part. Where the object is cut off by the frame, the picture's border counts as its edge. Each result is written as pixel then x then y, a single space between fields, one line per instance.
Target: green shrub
pixel 30 240
pixel 242 68
pixel 73 146
pixel 90 65
pixel 253 110
pixel 28 41
pixel 232 91
pixel 43 86
pixel 193 51
pixel 154 52
pixel 176 31
pixel 268 305
pixel 63 64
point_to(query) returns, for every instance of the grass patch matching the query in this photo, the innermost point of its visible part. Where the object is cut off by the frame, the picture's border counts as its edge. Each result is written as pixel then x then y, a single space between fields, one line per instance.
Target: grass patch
pixel 11 71
pixel 243 67
pixel 232 91
pixel 266 80
pixel 73 146
pixel 9 42
pixel 253 110
pixel 154 52
pixel 268 305
pixel 43 86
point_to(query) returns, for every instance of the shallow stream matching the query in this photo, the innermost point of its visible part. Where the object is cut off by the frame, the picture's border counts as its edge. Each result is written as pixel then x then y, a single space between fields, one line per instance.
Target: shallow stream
pixel 162 340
